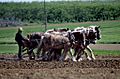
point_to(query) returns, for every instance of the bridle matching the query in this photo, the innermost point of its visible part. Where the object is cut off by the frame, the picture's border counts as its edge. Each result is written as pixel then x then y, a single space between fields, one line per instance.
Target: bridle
pixel 92 34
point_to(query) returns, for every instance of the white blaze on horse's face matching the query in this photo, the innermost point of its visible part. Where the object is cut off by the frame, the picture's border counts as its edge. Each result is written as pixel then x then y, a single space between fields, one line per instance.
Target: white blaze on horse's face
pixel 96 31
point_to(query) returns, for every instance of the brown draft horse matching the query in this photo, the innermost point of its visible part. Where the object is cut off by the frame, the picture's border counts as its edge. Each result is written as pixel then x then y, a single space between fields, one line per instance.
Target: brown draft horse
pixel 57 42
pixel 32 43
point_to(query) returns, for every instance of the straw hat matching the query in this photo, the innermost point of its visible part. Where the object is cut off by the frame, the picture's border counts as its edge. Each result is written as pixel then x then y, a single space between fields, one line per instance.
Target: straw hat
pixel 20 29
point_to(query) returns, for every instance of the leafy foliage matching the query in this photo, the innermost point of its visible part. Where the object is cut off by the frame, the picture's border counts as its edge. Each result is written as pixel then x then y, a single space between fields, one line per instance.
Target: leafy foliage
pixel 59 12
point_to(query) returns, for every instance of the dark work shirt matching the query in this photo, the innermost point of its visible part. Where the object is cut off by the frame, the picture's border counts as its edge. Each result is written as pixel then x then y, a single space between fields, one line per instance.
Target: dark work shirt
pixel 19 38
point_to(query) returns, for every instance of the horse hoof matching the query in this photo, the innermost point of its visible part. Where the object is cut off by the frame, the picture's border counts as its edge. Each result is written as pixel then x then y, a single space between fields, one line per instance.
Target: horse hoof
pixel 74 59
pixel 89 58
pixel 93 58
pixel 32 58
pixel 80 59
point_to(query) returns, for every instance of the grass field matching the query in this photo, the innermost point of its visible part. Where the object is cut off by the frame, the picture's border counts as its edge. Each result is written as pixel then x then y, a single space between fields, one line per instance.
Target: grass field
pixel 13 48
pixel 110 31
pixel 107 52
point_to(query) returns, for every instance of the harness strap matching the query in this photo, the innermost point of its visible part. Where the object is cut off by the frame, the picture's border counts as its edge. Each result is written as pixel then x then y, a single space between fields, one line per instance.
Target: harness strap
pixel 37 41
pixel 39 44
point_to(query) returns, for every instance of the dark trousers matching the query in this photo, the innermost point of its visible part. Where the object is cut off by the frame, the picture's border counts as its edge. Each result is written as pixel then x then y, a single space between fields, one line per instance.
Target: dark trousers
pixel 20 51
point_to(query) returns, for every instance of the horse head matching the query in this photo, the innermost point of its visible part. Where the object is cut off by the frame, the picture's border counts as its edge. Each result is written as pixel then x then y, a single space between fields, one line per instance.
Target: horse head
pixel 97 28
pixel 93 34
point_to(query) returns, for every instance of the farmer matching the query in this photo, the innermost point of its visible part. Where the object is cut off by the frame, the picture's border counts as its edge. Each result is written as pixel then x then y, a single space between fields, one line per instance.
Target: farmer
pixel 20 40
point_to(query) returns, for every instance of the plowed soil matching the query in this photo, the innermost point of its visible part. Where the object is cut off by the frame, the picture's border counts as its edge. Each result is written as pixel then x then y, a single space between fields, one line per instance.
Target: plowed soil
pixel 104 67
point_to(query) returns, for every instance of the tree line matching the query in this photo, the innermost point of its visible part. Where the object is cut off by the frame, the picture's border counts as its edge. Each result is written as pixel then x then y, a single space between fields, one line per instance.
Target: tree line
pixel 59 12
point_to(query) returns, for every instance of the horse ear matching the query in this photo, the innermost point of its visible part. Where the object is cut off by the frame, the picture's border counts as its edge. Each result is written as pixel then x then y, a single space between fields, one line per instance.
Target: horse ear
pixel 28 35
pixel 98 26
pixel 67 28
pixel 54 29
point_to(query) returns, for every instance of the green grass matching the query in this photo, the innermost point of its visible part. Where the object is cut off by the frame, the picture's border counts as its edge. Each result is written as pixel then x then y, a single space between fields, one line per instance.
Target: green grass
pixel 107 52
pixel 8 49
pixel 110 31
pixel 13 49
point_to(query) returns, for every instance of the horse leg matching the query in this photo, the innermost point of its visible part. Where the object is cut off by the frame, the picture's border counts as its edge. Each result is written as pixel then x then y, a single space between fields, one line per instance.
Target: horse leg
pixel 38 53
pixel 62 58
pixel 44 55
pixel 71 56
pixel 39 47
pixel 58 54
pixel 50 54
pixel 86 55
pixel 91 52
pixel 65 53
pixel 68 55
pixel 31 54
pixel 75 54
pixel 79 55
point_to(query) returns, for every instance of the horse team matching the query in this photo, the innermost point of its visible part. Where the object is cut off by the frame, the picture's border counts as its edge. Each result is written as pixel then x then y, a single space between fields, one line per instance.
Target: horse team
pixel 62 43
